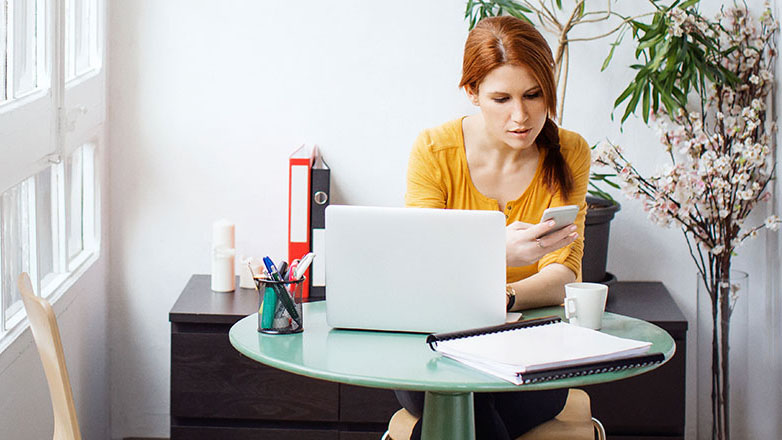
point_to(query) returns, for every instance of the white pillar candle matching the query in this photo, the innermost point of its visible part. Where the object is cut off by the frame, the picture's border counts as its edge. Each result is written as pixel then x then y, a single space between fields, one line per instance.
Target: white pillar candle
pixel 223 256
pixel 223 234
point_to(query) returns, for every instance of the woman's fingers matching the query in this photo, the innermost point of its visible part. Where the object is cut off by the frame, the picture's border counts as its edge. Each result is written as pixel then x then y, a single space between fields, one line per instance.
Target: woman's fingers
pixel 558 239
pixel 541 229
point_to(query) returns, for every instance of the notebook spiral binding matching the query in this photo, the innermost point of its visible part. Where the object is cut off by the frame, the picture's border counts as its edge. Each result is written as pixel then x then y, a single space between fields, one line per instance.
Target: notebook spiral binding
pixel 437 337
pixel 544 376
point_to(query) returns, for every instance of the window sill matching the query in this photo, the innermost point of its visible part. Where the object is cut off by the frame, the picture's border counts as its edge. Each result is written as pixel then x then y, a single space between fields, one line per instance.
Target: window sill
pixel 83 77
pixel 19 324
pixel 33 95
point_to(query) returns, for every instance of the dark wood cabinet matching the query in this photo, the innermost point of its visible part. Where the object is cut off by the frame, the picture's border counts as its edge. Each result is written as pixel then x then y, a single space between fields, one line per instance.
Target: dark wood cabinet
pixel 216 393
pixel 649 406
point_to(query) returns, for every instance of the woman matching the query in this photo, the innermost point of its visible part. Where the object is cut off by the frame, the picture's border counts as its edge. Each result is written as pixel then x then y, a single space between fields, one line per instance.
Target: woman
pixel 510 156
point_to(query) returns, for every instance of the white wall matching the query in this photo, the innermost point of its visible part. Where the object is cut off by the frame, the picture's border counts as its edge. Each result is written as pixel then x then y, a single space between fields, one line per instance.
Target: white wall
pixel 82 315
pixel 207 100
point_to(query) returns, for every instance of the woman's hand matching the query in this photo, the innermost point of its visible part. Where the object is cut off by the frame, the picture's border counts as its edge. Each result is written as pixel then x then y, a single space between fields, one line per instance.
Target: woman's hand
pixel 526 243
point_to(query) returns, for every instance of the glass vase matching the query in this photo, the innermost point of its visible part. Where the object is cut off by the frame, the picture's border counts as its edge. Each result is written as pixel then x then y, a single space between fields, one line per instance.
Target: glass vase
pixel 722 356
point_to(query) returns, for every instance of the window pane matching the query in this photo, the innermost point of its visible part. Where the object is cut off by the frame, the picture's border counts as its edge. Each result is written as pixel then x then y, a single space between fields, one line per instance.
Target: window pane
pixel 81 37
pixel 44 217
pixel 89 215
pixel 74 191
pixel 91 47
pixel 17 253
pixel 3 45
pixel 25 48
pixel 70 31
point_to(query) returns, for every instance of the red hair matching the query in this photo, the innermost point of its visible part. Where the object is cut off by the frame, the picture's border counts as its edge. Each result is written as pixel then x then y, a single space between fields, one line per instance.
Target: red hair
pixel 496 41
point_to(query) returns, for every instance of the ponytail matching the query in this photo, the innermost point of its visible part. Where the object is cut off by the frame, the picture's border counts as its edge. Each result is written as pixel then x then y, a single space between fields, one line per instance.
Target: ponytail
pixel 556 173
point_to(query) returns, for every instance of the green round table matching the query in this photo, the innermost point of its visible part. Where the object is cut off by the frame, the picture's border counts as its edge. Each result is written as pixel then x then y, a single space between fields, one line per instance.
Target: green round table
pixel 405 361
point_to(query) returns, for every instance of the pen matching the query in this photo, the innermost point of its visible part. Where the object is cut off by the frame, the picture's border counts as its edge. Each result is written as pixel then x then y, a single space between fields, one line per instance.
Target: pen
pixel 305 262
pixel 292 270
pixel 291 275
pixel 282 294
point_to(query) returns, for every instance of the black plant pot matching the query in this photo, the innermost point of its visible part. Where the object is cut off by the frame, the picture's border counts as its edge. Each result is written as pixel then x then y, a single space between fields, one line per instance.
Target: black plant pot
pixel 599 214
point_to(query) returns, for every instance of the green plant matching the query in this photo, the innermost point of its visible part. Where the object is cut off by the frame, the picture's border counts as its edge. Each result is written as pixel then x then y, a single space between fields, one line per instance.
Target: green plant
pixel 680 53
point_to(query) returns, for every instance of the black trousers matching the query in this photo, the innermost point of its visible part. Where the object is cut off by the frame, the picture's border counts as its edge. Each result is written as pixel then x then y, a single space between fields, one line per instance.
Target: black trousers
pixel 498 416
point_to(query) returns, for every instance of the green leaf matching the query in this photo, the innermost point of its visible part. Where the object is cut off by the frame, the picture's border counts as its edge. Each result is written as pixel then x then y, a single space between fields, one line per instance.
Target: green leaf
pixel 655 99
pixel 608 58
pixel 598 192
pixel 680 96
pixel 631 106
pixel 624 95
pixel 657 60
pixel 651 42
pixel 645 104
pixel 670 104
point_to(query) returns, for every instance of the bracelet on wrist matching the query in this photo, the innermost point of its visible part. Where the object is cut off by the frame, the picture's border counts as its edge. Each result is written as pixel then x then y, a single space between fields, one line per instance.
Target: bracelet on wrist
pixel 510 292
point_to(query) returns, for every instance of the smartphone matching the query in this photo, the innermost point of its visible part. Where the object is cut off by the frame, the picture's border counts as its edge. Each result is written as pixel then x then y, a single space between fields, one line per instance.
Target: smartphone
pixel 562 216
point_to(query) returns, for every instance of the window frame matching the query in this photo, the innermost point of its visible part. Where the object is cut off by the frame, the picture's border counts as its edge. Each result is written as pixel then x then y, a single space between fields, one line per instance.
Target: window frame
pixel 74 111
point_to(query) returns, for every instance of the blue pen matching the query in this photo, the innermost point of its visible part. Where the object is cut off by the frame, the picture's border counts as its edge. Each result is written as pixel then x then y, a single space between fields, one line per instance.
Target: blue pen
pixel 282 294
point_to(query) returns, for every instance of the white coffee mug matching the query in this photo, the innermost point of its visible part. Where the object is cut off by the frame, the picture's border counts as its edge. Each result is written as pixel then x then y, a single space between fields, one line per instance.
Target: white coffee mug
pixel 585 303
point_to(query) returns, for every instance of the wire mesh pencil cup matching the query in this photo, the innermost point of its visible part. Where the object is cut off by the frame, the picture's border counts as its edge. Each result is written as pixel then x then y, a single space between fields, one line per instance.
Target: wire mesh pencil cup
pixel 279 306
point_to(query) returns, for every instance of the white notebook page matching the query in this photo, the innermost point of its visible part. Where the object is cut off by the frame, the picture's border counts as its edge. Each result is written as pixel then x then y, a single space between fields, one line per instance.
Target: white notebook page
pixel 542 347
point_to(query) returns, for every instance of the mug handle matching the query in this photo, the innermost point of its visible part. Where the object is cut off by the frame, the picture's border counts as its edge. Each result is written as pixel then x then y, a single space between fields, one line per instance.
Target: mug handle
pixel 570 308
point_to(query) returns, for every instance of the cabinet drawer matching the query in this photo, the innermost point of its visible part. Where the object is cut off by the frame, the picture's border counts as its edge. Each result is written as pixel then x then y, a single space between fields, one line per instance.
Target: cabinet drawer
pixel 244 433
pixel 209 378
pixel 360 435
pixel 359 404
pixel 651 404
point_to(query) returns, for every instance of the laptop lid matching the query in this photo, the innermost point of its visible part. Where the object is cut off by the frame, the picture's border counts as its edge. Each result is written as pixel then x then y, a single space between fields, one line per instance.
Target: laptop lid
pixel 414 269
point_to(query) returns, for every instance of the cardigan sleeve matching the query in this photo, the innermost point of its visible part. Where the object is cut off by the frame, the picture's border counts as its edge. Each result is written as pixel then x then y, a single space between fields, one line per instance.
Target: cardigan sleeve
pixel 425 187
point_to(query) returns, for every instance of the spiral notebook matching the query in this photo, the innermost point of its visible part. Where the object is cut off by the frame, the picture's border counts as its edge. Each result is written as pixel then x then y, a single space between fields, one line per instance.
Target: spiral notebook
pixel 542 349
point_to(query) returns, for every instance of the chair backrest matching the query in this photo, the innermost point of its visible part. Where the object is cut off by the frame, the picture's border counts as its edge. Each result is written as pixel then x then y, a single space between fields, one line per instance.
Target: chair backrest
pixel 46 333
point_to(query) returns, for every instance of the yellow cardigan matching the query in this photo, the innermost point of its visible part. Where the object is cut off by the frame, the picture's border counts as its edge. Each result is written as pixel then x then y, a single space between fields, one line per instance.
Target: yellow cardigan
pixel 438 177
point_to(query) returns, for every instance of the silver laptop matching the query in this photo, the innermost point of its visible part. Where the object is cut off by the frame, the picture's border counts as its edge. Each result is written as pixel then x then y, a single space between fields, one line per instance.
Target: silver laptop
pixel 414 270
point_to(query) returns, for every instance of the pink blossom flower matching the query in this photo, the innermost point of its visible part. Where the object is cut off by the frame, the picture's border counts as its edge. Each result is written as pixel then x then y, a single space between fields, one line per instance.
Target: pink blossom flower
pixel 720 155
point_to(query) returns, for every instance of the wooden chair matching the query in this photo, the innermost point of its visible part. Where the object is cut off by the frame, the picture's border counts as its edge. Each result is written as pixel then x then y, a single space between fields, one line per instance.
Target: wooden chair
pixel 46 333
pixel 574 422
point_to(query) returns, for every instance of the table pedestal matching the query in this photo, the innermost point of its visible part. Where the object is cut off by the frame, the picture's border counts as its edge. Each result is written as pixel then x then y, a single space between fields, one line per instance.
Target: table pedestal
pixel 448 415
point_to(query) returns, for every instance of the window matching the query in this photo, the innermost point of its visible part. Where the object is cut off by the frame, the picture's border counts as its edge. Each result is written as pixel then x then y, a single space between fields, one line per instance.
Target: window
pixel 52 110
pixel 46 225
pixel 22 55
pixel 17 236
pixel 3 44
pixel 81 49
